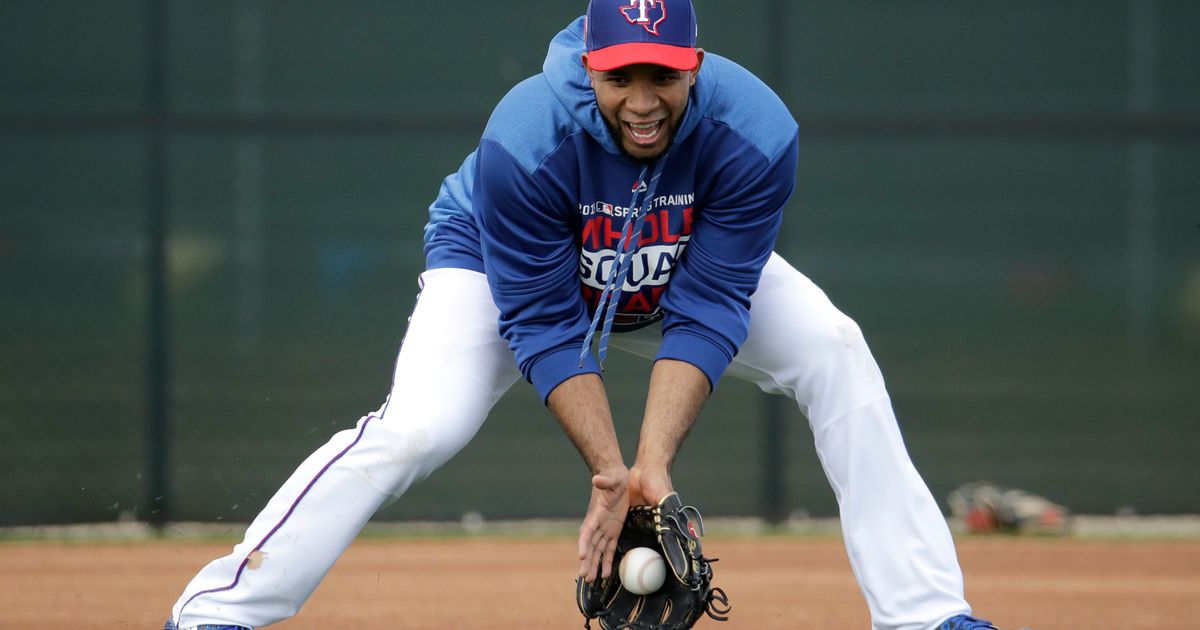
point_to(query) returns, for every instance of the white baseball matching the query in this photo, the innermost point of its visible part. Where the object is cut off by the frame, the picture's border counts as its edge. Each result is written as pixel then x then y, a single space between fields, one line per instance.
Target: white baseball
pixel 642 571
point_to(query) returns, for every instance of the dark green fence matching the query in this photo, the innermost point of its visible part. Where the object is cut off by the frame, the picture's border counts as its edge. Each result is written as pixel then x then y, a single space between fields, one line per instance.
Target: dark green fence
pixel 1005 195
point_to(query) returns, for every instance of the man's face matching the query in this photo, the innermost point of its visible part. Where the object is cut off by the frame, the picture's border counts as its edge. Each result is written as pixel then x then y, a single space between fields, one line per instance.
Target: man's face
pixel 643 105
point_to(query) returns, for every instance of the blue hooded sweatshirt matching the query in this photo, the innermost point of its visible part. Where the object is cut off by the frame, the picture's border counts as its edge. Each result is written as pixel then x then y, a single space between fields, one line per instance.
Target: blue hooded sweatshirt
pixel 540 205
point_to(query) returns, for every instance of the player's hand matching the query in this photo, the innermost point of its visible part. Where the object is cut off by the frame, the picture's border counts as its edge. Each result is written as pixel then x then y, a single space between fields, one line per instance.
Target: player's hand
pixel 602 526
pixel 648 484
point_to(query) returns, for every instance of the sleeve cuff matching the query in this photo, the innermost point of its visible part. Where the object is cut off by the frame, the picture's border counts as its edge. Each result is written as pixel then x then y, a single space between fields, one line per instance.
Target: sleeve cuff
pixel 701 352
pixel 556 366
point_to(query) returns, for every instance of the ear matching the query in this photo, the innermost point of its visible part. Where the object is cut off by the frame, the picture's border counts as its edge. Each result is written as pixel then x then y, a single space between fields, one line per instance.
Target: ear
pixel 584 60
pixel 699 62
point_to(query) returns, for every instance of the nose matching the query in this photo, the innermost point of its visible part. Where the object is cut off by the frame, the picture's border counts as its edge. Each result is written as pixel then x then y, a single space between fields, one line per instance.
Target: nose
pixel 641 99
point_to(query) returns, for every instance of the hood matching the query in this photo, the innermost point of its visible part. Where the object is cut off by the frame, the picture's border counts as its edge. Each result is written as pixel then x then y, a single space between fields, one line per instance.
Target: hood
pixel 570 84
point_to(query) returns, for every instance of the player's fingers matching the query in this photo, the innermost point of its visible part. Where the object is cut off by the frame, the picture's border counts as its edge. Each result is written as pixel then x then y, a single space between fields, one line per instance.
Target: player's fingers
pixel 591 545
pixel 585 553
pixel 585 569
pixel 599 538
pixel 610 551
pixel 590 567
pixel 597 567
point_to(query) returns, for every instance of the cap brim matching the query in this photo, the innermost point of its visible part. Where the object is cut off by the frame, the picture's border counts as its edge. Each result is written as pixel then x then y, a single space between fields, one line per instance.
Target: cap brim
pixel 621 55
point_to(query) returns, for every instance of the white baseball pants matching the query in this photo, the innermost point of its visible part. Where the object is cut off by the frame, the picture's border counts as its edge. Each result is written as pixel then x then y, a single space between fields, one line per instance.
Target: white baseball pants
pixel 799 344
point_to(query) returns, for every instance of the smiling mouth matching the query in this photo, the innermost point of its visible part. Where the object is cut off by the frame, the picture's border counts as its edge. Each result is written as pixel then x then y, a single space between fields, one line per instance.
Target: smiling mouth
pixel 644 133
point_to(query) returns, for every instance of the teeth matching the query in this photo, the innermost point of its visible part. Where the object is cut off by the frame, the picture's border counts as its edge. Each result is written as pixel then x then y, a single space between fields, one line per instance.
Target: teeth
pixel 651 130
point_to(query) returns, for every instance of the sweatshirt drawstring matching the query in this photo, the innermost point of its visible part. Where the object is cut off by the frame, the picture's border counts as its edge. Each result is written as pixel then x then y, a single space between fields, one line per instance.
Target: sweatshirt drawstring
pixel 621 264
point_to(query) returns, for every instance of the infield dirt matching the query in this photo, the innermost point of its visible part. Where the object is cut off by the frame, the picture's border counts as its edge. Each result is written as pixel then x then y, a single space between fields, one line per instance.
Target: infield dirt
pixel 773 582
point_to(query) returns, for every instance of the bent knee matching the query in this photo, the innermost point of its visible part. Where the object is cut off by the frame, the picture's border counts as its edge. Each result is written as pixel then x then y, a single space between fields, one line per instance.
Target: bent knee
pixel 821 340
pixel 824 363
pixel 843 371
pixel 424 444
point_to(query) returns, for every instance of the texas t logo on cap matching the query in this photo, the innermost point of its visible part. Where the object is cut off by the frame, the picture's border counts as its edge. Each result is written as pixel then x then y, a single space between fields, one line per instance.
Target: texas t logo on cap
pixel 626 32
pixel 643 13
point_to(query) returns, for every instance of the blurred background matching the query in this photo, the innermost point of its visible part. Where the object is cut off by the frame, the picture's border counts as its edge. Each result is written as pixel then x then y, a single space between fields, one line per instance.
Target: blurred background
pixel 210 233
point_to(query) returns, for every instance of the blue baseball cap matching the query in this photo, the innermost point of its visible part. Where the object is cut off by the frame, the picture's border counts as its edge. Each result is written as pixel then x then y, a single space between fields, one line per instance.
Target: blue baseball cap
pixel 624 32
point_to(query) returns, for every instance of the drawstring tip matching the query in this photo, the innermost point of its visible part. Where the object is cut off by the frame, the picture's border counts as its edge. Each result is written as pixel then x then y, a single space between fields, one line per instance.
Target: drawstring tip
pixel 599 361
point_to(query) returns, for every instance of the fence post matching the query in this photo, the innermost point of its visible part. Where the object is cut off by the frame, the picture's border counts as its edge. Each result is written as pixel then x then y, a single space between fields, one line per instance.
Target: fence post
pixel 774 464
pixel 158 376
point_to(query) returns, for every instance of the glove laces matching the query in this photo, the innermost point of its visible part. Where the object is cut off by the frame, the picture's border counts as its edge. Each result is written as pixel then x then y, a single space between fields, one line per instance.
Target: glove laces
pixel 621 264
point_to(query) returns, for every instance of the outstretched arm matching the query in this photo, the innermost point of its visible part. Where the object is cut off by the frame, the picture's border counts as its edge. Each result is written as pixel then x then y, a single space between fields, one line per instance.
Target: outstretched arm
pixel 677 392
pixel 581 406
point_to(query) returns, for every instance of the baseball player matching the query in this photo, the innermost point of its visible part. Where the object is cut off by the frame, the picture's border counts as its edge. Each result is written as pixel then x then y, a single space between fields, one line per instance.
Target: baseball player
pixel 635 186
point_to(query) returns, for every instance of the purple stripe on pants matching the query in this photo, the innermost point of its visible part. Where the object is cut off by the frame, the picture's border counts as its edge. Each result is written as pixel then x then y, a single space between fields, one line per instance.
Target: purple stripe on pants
pixel 238 576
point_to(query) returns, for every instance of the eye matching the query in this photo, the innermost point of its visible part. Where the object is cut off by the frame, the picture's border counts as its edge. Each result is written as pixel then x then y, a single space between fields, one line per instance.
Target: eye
pixel 619 80
pixel 666 78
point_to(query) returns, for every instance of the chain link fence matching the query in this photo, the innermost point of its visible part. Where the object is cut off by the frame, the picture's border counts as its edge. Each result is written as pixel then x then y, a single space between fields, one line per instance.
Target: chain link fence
pixel 1004 196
